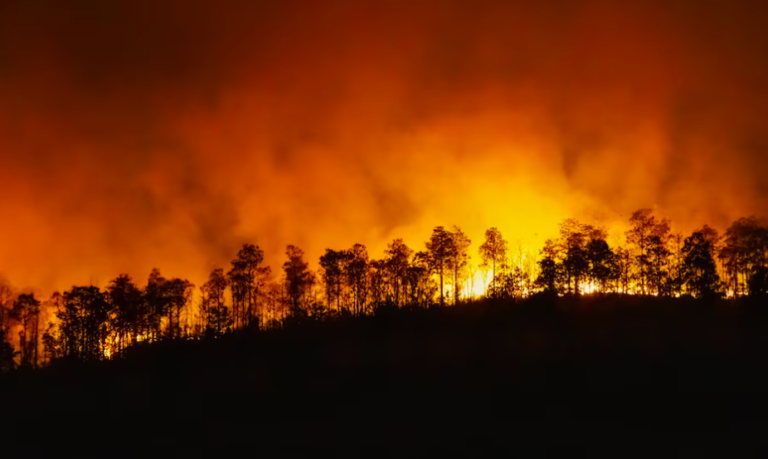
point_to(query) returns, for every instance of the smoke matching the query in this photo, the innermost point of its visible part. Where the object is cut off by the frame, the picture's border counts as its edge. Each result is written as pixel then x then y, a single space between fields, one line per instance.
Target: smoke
pixel 135 134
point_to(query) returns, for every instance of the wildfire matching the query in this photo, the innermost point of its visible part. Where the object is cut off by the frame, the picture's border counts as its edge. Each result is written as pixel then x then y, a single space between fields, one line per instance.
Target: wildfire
pixel 589 288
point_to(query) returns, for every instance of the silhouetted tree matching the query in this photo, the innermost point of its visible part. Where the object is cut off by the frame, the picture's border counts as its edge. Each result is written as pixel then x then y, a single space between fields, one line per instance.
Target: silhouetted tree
pixel 6 302
pixel 84 320
pixel 238 288
pixel 312 304
pixel 420 284
pixel 297 277
pixel 551 271
pixel 7 352
pixel 548 274
pixel 509 284
pixel 26 311
pixel 574 237
pixel 274 305
pixel 623 269
pixel 356 275
pixel 744 250
pixel 758 282
pixel 493 252
pixel 129 310
pixel 243 283
pixel 460 260
pixel 156 303
pixel 260 288
pixel 216 317
pixel 51 343
pixel 177 292
pixel 334 266
pixel 378 282
pixel 677 265
pixel 644 225
pixel 576 266
pixel 657 256
pixel 317 311
pixel 601 260
pixel 523 269
pixel 52 340
pixel 712 236
pixel 397 259
pixel 700 273
pixel 440 248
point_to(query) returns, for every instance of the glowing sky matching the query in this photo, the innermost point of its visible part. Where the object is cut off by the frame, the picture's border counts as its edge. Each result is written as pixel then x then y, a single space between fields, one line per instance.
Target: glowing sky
pixel 141 133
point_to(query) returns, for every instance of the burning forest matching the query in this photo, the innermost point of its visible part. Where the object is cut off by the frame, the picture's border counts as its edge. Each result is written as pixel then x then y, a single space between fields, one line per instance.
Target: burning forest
pixel 89 323
pixel 263 201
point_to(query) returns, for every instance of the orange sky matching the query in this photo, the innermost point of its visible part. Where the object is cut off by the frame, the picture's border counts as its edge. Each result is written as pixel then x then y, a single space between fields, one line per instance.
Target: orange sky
pixel 135 135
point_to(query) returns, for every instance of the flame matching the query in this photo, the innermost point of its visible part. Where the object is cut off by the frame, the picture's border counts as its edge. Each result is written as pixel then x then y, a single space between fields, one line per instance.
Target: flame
pixel 476 285
pixel 589 288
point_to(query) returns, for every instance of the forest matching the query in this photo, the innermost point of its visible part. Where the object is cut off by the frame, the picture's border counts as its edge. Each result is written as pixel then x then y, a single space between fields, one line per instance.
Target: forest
pixel 87 323
pixel 587 345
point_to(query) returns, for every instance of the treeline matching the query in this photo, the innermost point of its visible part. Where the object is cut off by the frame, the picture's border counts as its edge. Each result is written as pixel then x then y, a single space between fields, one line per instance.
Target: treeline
pixel 87 323
pixel 654 260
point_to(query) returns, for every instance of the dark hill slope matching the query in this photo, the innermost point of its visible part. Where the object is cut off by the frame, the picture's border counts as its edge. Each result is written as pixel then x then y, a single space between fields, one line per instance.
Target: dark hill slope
pixel 589 373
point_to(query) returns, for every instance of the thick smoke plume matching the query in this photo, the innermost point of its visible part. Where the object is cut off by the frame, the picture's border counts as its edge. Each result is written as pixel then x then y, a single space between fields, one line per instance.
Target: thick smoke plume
pixel 137 133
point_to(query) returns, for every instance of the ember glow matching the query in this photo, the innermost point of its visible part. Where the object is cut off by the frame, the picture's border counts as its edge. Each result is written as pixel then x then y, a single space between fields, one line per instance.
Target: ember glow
pixel 135 134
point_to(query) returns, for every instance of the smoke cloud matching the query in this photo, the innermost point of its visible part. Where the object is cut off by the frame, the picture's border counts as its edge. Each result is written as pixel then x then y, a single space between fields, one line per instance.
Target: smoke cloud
pixel 139 133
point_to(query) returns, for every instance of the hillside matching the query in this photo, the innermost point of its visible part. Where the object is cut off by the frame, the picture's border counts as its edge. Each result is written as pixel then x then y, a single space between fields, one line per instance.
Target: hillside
pixel 483 377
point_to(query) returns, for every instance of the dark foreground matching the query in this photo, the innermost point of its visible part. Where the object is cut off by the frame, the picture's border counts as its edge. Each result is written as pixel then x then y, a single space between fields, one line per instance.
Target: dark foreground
pixel 624 376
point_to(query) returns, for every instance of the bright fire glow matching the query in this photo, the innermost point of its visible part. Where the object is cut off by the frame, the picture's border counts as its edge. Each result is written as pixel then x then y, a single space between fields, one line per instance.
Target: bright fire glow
pixel 390 134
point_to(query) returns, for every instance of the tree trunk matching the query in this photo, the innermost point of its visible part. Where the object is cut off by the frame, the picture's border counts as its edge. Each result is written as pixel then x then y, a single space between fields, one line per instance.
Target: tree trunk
pixel 442 299
pixel 493 279
pixel 36 338
pixel 456 285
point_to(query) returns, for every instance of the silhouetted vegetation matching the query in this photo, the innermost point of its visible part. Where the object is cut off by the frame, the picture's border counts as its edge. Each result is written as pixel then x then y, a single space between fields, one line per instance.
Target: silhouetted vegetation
pixel 589 369
pixel 86 323
pixel 411 325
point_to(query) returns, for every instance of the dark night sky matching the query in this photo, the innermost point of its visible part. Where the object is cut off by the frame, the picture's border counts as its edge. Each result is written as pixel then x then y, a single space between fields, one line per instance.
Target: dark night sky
pixel 147 133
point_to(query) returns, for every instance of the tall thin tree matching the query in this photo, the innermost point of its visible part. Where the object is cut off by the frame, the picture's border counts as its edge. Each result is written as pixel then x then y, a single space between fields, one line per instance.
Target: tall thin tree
pixel 493 253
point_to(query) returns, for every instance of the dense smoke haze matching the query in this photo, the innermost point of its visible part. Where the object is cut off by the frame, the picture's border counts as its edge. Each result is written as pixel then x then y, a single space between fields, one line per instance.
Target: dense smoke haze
pixel 137 133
